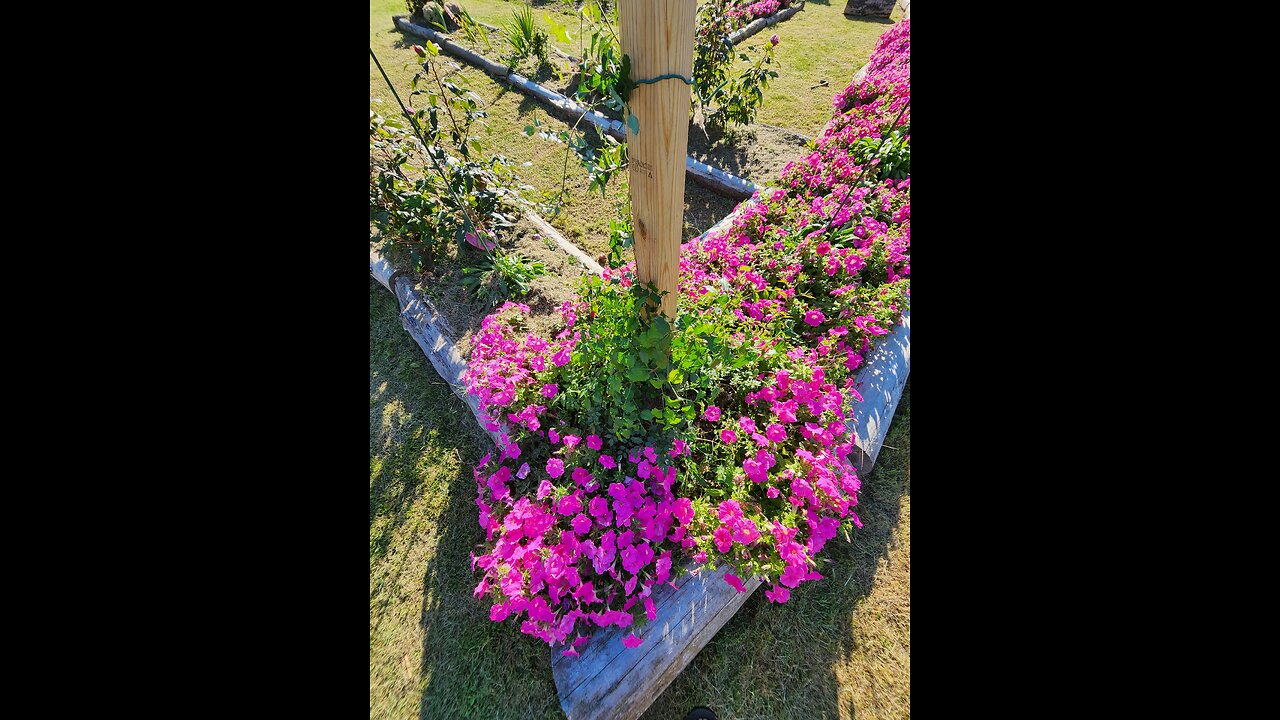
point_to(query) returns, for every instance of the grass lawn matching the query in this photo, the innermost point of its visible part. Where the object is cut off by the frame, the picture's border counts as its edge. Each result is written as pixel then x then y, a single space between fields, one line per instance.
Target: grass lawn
pixel 839 648
pixel 818 43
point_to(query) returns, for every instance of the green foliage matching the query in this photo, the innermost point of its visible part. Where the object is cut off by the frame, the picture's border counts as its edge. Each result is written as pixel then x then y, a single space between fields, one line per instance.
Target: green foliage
pixel 722 94
pixel 472 30
pixel 892 152
pixel 641 378
pixel 501 276
pixel 424 193
pixel 621 238
pixel 525 38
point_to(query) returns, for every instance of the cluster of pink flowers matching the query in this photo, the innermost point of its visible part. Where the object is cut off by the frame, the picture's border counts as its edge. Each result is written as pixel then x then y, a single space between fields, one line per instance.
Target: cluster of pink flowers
pixel 746 12
pixel 581 529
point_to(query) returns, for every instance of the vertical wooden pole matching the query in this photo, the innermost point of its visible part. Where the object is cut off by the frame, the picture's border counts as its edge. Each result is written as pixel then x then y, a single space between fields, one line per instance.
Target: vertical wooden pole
pixel 658 37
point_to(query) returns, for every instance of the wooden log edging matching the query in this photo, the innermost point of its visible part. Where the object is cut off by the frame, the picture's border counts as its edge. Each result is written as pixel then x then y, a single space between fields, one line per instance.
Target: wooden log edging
pixel 759 24
pixel 569 111
pixel 611 681
pixel 573 250
pixel 425 324
pixel 880 382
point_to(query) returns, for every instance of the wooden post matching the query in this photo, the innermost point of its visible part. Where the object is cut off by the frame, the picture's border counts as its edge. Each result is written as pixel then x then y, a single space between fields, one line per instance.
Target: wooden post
pixel 658 37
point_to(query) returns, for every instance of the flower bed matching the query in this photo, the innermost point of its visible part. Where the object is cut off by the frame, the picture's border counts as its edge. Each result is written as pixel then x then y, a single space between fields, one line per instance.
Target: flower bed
pixel 628 444
pixel 745 12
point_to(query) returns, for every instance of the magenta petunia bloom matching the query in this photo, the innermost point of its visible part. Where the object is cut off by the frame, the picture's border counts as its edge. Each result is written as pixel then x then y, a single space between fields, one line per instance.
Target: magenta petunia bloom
pixel 778 594
pixel 594 442
pixel 771 492
pixel 523 472
pixel 571 441
pixel 747 424
pixel 728 435
pixel 553 436
pixel 499 612
pixel 608 462
pixel 545 488
pixel 734 581
pixel 561 358
pixel 549 390
pixel 569 504
pixel 555 467
pixel 581 524
pixel 632 641
pixel 723 538
pixel 712 413
pixel 775 432
pixel 581 476
pixel 814 317
pixel 677 448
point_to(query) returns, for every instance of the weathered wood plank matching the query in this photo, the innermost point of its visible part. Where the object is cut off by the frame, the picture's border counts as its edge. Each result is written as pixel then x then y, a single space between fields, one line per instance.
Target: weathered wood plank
pixel 613 681
pixel 573 250
pixel 421 320
pixel 880 383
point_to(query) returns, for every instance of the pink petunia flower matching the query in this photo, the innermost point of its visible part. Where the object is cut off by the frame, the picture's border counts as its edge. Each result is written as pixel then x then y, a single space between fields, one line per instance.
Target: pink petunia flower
pixel 555 467
pixel 814 317
pixel 734 581
pixel 632 641
pixel 712 413
pixel 594 442
pixel 727 435
pixel 608 462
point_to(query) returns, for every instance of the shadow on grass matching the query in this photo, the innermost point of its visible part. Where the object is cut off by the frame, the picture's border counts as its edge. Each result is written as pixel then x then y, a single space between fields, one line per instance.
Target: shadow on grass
pixel 422 529
pixel 869 19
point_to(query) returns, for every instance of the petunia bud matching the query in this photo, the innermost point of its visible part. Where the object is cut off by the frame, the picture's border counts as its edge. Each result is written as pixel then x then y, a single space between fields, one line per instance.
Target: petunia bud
pixel 773 40
pixel 423 53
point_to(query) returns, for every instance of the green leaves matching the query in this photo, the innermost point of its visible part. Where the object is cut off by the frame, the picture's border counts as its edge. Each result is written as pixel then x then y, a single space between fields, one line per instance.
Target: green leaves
pixel 558 31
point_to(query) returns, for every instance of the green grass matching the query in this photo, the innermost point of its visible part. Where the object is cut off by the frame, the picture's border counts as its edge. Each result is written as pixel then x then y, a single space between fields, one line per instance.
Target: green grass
pixel 818 43
pixel 839 648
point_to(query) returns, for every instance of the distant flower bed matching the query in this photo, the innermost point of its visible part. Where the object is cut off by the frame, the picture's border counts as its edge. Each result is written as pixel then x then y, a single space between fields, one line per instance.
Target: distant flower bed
pixel 632 445
pixel 746 12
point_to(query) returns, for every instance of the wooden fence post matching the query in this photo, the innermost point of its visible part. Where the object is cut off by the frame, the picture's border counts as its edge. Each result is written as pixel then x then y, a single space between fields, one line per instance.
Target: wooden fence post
pixel 658 37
